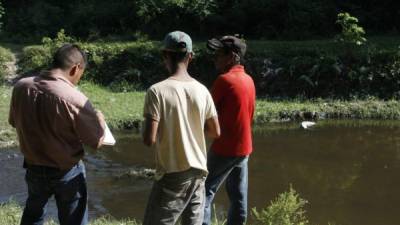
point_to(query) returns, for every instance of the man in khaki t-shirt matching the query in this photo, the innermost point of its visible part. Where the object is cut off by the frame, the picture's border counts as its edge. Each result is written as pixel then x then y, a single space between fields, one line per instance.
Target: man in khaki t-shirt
pixel 178 111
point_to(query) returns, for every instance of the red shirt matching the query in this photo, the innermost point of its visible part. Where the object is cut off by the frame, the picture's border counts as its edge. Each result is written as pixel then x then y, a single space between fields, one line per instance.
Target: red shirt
pixel 234 97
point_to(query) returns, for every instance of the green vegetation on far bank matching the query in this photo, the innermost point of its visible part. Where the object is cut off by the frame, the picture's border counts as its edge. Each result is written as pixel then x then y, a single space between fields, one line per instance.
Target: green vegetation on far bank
pixel 123 110
pixel 311 69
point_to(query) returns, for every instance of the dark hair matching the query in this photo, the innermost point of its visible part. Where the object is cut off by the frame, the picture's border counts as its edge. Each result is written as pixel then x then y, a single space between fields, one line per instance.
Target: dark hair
pixel 176 57
pixel 69 55
pixel 239 59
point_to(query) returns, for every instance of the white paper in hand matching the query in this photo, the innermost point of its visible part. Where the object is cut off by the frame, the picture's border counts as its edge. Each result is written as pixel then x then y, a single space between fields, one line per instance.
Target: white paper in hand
pixel 108 137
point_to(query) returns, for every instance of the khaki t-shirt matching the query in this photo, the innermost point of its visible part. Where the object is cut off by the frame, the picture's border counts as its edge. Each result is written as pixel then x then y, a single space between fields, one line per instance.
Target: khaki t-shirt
pixel 181 108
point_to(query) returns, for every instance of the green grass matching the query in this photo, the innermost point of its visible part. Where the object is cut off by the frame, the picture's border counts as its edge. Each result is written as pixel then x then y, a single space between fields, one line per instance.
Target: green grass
pixel 355 109
pixel 10 214
pixel 7 133
pixel 124 109
pixel 121 109
pixel 287 208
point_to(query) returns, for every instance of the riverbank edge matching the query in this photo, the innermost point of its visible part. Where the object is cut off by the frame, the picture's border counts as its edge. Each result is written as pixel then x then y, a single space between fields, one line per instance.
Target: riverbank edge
pixel 123 110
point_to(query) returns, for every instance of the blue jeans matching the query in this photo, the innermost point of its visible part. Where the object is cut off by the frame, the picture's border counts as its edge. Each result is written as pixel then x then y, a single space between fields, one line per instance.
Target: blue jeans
pixel 235 171
pixel 68 188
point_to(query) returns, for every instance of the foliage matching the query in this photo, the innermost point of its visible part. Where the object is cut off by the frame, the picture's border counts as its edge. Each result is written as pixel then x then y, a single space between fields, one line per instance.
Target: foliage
pixel 286 209
pixel 34 59
pixel 123 110
pixel 54 43
pixel 5 57
pixel 1 15
pixel 351 33
pixel 260 19
pixel 284 69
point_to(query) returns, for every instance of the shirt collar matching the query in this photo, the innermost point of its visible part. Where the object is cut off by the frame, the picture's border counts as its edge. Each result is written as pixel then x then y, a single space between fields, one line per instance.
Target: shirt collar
pixel 237 68
pixel 57 76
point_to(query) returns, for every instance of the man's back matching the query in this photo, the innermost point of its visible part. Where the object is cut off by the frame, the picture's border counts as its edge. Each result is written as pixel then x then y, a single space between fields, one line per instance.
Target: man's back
pixel 52 119
pixel 181 107
pixel 234 97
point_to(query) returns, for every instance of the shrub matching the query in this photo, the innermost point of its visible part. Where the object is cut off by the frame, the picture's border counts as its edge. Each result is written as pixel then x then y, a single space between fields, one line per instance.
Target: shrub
pixel 33 59
pixel 36 58
pixel 5 57
pixel 286 209
pixel 283 72
pixel 351 33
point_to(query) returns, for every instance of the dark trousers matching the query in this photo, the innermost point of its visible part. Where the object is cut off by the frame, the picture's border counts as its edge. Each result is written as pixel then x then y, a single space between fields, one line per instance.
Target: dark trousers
pixel 177 195
pixel 68 188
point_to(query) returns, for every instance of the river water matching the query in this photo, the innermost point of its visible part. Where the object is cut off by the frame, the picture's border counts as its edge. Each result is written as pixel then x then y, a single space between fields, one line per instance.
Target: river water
pixel 348 171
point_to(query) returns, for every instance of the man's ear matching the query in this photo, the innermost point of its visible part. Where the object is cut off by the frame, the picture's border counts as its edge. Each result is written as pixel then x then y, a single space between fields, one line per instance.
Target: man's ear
pixel 73 70
pixel 190 56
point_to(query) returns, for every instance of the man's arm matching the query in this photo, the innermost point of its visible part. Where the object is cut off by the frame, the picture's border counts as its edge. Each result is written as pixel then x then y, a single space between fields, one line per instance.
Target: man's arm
pixel 11 119
pixel 89 124
pixel 212 128
pixel 151 114
pixel 150 131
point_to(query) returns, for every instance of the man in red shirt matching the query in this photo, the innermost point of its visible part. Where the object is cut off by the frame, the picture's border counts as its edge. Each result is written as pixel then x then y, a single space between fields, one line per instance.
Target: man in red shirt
pixel 234 97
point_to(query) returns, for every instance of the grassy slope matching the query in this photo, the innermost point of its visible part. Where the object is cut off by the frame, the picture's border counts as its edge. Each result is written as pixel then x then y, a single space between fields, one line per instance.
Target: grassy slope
pixel 124 108
pixel 120 109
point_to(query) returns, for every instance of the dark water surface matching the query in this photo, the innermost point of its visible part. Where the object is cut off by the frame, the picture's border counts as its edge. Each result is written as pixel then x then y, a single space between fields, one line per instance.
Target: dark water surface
pixel 349 171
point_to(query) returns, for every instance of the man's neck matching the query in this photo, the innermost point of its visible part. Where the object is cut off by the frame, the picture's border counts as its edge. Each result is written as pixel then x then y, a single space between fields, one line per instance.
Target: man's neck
pixel 181 73
pixel 229 67
pixel 60 72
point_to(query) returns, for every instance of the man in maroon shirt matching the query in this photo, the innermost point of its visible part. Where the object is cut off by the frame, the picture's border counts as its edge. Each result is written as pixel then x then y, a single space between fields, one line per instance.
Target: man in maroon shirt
pixel 234 97
pixel 53 121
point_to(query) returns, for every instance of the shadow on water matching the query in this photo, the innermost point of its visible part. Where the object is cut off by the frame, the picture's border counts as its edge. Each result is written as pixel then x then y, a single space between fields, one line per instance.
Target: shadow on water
pixel 347 170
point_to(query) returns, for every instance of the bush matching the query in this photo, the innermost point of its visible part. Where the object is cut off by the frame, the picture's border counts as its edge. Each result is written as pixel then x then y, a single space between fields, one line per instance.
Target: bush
pixel 33 59
pixel 283 71
pixel 286 209
pixel 5 57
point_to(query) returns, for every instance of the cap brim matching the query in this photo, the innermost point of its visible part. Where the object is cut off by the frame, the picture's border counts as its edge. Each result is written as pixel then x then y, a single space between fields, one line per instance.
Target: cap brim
pixel 214 44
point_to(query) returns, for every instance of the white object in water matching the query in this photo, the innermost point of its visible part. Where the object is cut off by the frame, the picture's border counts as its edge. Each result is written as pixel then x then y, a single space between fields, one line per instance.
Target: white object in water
pixel 307 124
pixel 108 137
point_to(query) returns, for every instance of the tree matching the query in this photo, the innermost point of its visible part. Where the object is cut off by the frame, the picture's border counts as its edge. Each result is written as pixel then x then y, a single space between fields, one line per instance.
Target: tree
pixel 1 15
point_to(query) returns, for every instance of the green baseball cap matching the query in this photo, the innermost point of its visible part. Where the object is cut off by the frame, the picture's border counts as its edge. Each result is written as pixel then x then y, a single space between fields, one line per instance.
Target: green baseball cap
pixel 177 41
